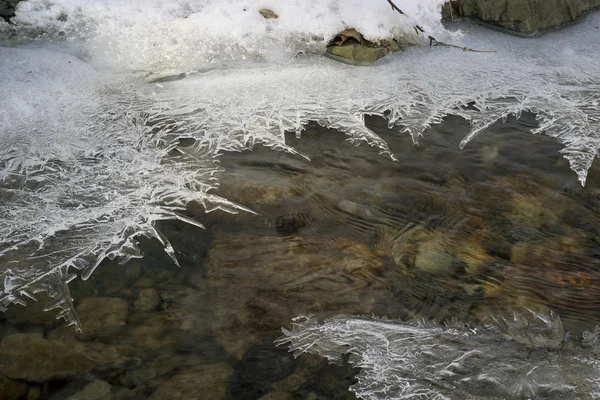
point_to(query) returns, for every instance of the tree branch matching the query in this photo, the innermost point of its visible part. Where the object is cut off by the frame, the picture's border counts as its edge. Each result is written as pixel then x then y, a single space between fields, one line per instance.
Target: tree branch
pixel 433 41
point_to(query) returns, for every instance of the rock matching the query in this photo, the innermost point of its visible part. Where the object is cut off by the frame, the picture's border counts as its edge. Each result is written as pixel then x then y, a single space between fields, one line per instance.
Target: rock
pixel 249 187
pixel 261 283
pixel 97 390
pixel 203 383
pixel 10 389
pixel 101 313
pixel 433 257
pixel 7 9
pixel 356 53
pixel 268 14
pixel 277 395
pixel 528 17
pixel 33 358
pixel 33 313
pixel 351 47
pixel 147 300
pixel 97 314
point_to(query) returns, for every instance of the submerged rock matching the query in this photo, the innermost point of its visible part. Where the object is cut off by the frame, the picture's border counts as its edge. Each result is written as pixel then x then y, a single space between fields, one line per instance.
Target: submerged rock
pixel 528 17
pixel 204 383
pixel 260 282
pixel 97 390
pixel 33 313
pixel 11 389
pixel 32 358
pixel 147 299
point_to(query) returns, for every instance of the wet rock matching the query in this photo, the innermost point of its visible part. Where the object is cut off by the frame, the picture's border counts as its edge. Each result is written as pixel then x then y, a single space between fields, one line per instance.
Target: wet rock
pixel 203 383
pixel 33 358
pixel 277 395
pixel 268 14
pixel 260 283
pixel 147 300
pixel 11 389
pixel 33 313
pixel 97 390
pixel 527 17
pixel 356 53
pixel 7 8
pixel 351 47
pixel 97 314
pixel 102 313
pixel 432 257
pixel 252 186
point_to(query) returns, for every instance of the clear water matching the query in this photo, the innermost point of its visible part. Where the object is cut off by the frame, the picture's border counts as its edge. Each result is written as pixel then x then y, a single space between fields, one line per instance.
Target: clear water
pixel 327 241
pixel 179 223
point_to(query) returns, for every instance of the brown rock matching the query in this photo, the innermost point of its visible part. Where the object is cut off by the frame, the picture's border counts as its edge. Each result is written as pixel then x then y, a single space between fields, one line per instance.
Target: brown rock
pixel 147 300
pixel 203 383
pixel 268 14
pixel 33 313
pixel 33 358
pixel 101 313
pixel 97 390
pixel 260 283
pixel 10 389
pixel 529 17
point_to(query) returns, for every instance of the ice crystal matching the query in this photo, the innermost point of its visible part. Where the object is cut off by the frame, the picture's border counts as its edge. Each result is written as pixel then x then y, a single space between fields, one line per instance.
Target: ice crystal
pixel 525 357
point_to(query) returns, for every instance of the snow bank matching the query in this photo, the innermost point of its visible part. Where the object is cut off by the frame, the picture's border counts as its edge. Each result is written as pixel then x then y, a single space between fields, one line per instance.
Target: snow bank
pixel 158 35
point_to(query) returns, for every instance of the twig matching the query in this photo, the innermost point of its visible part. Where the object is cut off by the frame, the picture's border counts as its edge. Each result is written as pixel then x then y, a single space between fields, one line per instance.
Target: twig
pixel 433 41
pixel 395 7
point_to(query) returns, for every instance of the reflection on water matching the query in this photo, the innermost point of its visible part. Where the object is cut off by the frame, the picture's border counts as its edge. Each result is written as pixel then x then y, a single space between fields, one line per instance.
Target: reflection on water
pixel 439 234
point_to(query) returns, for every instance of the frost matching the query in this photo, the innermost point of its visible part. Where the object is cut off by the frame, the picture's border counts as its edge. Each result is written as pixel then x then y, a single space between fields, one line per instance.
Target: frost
pixel 186 34
pixel 89 161
pixel 526 357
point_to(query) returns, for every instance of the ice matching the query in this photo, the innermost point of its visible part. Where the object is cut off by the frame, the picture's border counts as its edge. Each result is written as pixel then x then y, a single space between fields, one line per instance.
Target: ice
pixel 83 175
pixel 90 160
pixel 526 357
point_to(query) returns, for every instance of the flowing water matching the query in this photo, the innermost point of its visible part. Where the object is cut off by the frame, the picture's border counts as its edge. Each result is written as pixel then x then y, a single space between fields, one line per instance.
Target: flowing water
pixel 177 202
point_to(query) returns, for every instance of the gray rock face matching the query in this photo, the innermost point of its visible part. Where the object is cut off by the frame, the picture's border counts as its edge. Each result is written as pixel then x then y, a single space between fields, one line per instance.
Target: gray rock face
pixel 528 17
pixel 7 8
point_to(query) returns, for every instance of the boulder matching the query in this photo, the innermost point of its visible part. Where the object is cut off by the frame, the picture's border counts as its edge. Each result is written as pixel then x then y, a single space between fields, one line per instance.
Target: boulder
pixel 7 9
pixel 267 14
pixel 204 383
pixel 97 390
pixel 32 358
pixel 527 17
pixel 261 283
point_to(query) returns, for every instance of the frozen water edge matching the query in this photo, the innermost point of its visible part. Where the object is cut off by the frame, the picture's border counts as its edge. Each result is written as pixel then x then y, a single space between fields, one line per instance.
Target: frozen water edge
pixel 528 356
pixel 89 160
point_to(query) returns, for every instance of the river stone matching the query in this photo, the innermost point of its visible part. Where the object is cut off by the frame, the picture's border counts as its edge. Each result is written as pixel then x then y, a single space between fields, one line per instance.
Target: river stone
pixel 203 383
pixel 528 17
pixel 32 358
pixel 11 389
pixel 432 257
pixel 357 53
pixel 147 300
pixel 7 9
pixel 33 313
pixel 261 283
pixel 268 14
pixel 97 314
pixel 97 390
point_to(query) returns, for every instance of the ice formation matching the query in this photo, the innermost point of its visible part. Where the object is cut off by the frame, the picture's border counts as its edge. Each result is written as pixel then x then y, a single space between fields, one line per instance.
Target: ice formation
pixel 89 160
pixel 528 356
